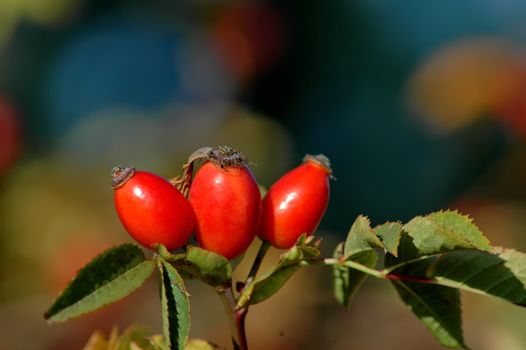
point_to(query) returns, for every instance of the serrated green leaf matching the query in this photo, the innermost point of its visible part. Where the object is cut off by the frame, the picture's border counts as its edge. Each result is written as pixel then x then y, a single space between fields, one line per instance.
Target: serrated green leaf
pixel 389 233
pixel 200 344
pixel 215 269
pixel 109 277
pixel 298 253
pixel 437 307
pixel 502 274
pixel 341 284
pixel 291 255
pixel 302 239
pixel 268 286
pixel 445 231
pixel 346 281
pixel 361 237
pixel 272 281
pixel 166 255
pixel 175 307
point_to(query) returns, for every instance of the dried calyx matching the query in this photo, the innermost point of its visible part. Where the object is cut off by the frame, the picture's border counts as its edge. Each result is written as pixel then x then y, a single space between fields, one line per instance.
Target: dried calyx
pixel 226 156
pixel 120 174
pixel 319 159
pixel 222 156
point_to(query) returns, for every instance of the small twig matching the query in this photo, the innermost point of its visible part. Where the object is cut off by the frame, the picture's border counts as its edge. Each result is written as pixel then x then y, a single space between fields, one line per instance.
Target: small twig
pixel 241 330
pixel 236 318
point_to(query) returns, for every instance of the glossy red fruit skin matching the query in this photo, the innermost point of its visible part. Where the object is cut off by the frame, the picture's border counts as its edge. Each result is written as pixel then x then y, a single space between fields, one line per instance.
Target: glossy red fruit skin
pixel 153 211
pixel 227 206
pixel 295 204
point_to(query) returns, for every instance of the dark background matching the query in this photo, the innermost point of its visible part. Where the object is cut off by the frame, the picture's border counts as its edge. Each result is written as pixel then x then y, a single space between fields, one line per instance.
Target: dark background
pixel 419 107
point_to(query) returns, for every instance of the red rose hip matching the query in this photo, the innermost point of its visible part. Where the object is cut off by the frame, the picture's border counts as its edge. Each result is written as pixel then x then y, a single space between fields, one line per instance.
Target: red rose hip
pixel 295 204
pixel 151 209
pixel 227 203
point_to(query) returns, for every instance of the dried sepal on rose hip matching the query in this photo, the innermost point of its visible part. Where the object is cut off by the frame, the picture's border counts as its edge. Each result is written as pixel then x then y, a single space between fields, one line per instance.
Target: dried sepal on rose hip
pixel 151 209
pixel 226 201
pixel 296 203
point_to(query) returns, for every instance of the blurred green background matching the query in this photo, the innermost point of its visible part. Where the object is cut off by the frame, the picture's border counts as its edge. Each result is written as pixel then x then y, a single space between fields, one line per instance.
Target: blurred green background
pixel 419 106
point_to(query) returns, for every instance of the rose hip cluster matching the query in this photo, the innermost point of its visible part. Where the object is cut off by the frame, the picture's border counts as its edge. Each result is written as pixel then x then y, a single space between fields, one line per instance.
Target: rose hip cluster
pixel 224 206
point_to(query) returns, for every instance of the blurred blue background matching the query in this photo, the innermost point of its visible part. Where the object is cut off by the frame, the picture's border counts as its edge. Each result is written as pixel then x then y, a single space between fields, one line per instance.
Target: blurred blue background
pixel 419 107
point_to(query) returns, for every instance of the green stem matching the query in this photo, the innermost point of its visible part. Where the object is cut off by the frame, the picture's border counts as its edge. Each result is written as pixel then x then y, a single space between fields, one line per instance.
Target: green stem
pixel 352 264
pixel 263 249
pixel 364 269
pixel 236 318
